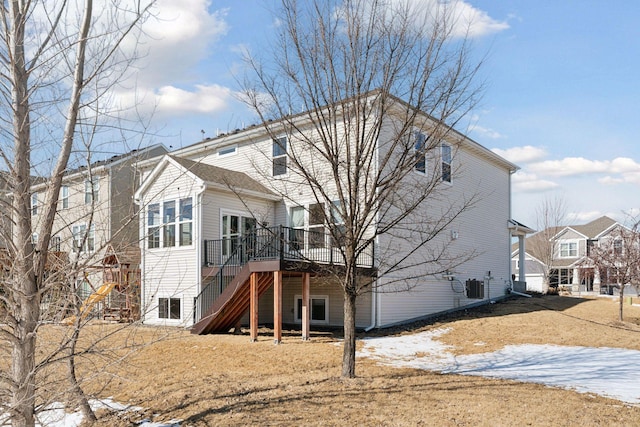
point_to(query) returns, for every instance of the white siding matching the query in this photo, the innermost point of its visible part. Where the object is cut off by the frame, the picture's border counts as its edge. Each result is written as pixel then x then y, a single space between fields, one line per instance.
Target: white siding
pixel 480 230
pixel 170 272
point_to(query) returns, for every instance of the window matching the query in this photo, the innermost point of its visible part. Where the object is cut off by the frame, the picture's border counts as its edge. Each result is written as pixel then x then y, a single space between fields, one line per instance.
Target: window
pixel 339 228
pixel 617 246
pixel 153 226
pixel 446 163
pixel 280 156
pixel 34 239
pixel 568 250
pixel 64 196
pixel 319 309
pixel 228 151
pixel 54 245
pixel 34 204
pixel 91 187
pixel 169 308
pixel 316 225
pixel 83 241
pixel 233 228
pixel 170 223
pixel 186 222
pixel 420 153
pixel 561 277
pixel 296 239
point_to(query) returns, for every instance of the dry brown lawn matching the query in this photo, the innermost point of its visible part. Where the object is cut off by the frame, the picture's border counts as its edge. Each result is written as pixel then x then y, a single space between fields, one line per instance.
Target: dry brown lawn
pixel 225 380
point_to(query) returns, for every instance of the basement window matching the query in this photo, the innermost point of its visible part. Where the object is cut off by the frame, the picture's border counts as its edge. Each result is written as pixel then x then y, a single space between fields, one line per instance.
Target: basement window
pixel 169 308
pixel 319 306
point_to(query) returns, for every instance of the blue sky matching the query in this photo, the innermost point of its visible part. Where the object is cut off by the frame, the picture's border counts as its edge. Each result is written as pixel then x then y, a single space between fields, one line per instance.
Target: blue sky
pixel 561 100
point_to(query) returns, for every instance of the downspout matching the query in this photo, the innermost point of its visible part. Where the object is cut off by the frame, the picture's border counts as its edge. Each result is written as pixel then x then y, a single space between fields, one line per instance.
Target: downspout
pixel 374 287
pixel 199 242
pixel 141 243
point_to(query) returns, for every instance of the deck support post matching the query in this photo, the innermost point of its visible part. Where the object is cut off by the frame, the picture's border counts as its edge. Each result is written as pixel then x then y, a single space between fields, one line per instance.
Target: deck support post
pixel 253 317
pixel 306 315
pixel 277 307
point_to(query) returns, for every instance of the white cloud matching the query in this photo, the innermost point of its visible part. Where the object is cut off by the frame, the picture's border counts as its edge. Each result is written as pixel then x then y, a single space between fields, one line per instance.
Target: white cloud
pixel 477 22
pixel 203 99
pixel 526 154
pixel 531 183
pixel 486 132
pixel 627 169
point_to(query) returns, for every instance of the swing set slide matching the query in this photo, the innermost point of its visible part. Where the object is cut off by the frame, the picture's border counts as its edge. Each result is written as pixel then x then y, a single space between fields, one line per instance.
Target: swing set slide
pixel 91 301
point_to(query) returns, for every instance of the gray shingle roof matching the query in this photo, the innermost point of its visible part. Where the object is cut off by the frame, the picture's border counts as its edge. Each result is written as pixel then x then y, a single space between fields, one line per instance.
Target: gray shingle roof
pixel 224 177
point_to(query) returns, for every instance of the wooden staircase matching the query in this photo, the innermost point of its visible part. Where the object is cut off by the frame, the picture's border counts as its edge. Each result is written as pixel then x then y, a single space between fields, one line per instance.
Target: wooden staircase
pixel 234 301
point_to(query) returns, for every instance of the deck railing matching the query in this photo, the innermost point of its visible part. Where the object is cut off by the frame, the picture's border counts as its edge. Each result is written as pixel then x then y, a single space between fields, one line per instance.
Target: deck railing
pixel 274 243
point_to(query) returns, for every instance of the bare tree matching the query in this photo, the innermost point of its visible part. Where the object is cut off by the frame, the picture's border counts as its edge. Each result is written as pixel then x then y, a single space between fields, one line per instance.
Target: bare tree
pixel 617 258
pixel 59 60
pixel 550 219
pixel 381 84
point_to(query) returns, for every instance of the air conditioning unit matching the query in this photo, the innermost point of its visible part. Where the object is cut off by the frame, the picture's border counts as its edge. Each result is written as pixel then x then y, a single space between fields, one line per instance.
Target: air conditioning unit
pixel 475 289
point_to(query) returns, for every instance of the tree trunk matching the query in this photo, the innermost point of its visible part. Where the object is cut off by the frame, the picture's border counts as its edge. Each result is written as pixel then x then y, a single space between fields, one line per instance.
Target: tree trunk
pixel 77 391
pixel 621 301
pixel 349 353
pixel 23 370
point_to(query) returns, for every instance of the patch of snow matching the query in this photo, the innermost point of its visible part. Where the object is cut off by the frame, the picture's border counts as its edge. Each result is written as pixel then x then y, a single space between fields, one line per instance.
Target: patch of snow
pixel 609 372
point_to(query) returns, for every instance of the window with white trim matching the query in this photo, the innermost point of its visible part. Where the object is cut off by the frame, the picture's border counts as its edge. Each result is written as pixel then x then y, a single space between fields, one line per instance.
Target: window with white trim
pixel 55 244
pixel 228 151
pixel 91 188
pixel 153 225
pixel 83 240
pixel 568 249
pixel 420 153
pixel 64 196
pixel 169 308
pixel 170 223
pixel 34 204
pixel 316 225
pixel 280 156
pixel 318 309
pixel 446 162
pixel 185 222
pixel 617 246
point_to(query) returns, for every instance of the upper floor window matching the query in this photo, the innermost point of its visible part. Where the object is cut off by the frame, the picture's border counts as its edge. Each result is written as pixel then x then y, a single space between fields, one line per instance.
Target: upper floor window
pixel 228 151
pixel 446 162
pixel 153 225
pixel 280 156
pixel 91 187
pixel 617 246
pixel 34 204
pixel 54 245
pixel 420 153
pixel 568 250
pixel 185 222
pixel 64 196
pixel 83 240
pixel 170 223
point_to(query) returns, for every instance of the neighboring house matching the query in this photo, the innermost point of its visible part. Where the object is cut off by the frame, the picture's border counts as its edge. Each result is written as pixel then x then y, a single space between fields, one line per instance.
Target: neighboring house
pixel 221 241
pixel 96 215
pixel 568 247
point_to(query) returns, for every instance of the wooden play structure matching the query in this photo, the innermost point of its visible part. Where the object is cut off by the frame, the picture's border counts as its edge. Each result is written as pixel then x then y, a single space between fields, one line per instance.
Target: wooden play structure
pixel 117 296
pixel 121 268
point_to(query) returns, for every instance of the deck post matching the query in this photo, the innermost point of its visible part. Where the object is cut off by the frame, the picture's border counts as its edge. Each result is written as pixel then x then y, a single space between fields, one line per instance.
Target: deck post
pixel 253 317
pixel 277 307
pixel 306 278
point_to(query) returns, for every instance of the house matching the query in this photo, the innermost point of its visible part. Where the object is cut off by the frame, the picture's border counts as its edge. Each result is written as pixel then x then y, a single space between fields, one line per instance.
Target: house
pixel 96 216
pixel 560 252
pixel 227 239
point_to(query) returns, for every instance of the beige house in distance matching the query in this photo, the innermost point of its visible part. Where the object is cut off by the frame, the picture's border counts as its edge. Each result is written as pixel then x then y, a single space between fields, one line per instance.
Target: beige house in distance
pixel 96 215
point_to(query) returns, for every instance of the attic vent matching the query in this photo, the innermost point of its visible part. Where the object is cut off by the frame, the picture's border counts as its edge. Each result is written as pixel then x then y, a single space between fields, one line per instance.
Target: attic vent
pixel 475 289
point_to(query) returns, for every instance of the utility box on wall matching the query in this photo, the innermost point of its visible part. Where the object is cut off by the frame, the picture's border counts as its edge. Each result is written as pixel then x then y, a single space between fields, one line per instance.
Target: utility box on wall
pixel 475 289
